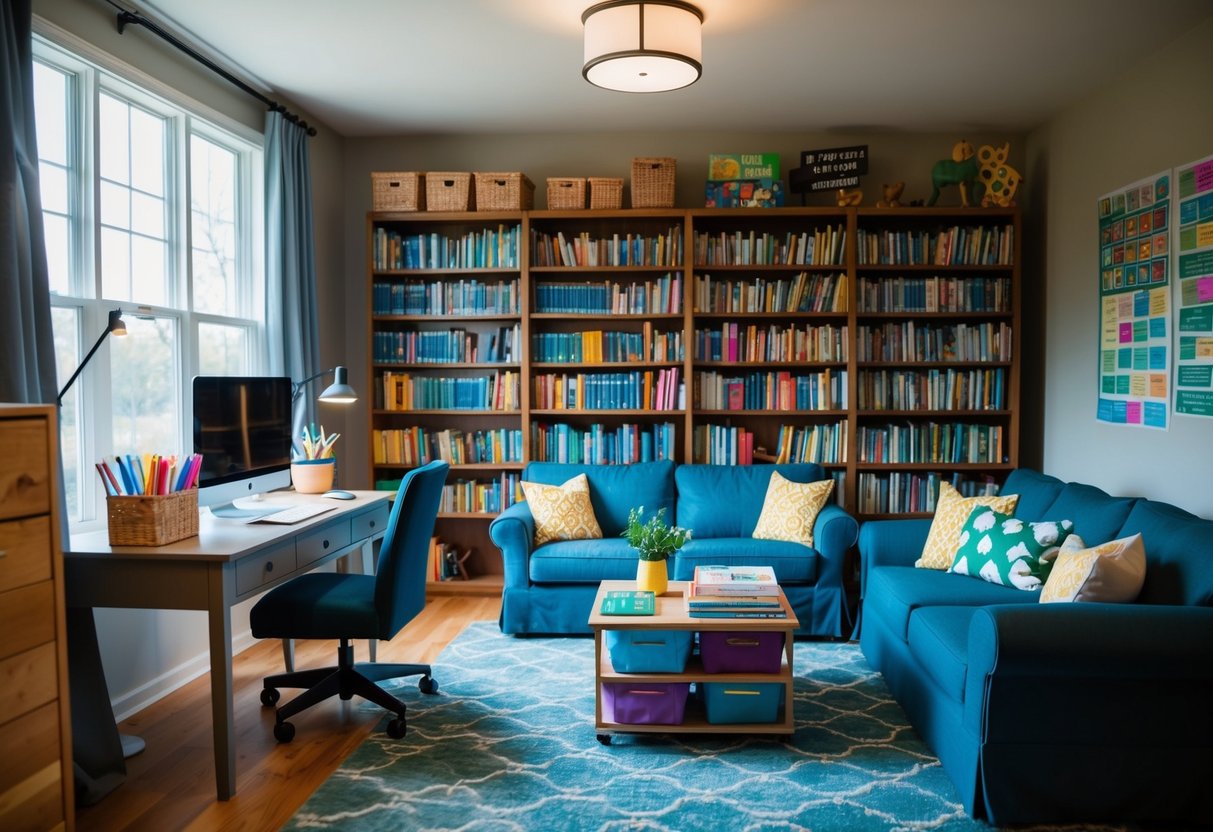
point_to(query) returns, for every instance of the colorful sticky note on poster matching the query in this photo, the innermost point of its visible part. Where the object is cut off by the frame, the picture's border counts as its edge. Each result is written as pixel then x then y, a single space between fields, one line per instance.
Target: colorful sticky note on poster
pixel 1109 361
pixel 1133 413
pixel 1139 385
pixel 1204 234
pixel 1194 402
pixel 1196 319
pixel 1158 358
pixel 1141 330
pixel 1122 385
pixel 1158 386
pixel 1187 349
pixel 1141 304
pixel 1107 384
pixel 1158 301
pixel 1158 327
pixel 1195 375
pixel 1124 358
pixel 1204 289
pixel 1124 306
pixel 1126 332
pixel 1154 415
pixel 1204 347
pixel 1141 358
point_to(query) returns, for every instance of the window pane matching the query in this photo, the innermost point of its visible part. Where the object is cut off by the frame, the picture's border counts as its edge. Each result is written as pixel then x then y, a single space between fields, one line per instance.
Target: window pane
pixel 58 243
pixel 52 179
pixel 222 350
pixel 145 386
pixel 65 323
pixel 147 152
pixel 148 283
pixel 115 264
pixel 115 142
pixel 50 108
pixel 147 214
pixel 115 205
pixel 213 217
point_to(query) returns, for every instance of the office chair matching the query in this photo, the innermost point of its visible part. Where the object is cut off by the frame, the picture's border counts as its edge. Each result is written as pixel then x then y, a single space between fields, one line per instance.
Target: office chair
pixel 343 606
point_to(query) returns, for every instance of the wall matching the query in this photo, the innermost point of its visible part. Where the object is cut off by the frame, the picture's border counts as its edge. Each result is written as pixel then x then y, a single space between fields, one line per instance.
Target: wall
pixel 1155 116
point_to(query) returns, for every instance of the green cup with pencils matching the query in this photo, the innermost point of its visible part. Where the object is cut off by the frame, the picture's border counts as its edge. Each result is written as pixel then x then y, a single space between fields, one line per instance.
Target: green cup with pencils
pixel 312 473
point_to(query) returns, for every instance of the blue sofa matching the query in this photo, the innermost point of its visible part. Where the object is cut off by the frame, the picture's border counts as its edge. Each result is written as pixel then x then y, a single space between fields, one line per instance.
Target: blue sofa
pixel 1050 713
pixel 551 589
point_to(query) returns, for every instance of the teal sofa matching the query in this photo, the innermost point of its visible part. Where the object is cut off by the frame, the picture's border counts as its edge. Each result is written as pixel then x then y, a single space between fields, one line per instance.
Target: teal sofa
pixel 1055 713
pixel 550 589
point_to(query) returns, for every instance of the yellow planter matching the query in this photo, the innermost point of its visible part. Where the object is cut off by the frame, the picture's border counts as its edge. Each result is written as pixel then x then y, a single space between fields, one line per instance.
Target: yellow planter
pixel 652 576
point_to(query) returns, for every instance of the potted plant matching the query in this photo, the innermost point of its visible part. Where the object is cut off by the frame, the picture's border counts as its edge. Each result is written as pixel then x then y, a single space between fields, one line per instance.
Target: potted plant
pixel 654 541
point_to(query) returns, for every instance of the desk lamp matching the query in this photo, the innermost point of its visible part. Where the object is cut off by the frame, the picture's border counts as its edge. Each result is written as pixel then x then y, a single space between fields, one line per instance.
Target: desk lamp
pixel 117 326
pixel 339 392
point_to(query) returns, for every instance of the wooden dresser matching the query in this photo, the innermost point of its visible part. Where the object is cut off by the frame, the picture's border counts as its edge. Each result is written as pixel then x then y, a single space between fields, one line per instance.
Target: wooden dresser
pixel 35 720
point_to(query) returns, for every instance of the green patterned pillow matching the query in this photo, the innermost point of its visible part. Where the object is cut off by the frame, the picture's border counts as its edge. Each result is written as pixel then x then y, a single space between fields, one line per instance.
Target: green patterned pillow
pixel 1005 550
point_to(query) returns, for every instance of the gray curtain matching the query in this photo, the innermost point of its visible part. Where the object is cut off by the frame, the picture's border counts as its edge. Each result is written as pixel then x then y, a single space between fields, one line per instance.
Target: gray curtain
pixel 290 261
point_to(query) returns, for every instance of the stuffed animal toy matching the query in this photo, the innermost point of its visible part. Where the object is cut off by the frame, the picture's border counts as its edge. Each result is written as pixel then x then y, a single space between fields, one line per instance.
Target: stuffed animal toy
pixel 960 170
pixel 892 195
pixel 851 197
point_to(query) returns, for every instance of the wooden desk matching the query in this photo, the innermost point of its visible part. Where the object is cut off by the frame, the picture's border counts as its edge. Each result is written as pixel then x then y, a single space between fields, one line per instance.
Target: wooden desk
pixel 228 562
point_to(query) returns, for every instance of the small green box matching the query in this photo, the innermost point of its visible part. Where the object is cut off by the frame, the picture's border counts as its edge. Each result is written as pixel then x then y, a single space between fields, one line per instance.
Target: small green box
pixel 724 167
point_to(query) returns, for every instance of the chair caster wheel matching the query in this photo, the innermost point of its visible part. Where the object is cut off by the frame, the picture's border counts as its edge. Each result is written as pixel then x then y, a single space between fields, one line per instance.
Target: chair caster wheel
pixel 428 684
pixel 605 739
pixel 396 728
pixel 270 697
pixel 284 731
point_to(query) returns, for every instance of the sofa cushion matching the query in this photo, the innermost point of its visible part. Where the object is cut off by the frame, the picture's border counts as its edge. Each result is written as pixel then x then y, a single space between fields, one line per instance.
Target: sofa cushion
pixel 894 592
pixel 583 561
pixel 939 639
pixel 1097 516
pixel 792 562
pixel 615 489
pixel 1006 550
pixel 951 512
pixel 1179 554
pixel 562 512
pixel 1037 492
pixel 704 489
pixel 1111 572
pixel 790 509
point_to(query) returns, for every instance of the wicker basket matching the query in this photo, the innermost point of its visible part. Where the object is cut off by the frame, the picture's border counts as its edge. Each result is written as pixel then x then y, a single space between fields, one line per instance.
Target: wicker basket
pixel 504 192
pixel 605 192
pixel 653 182
pixel 449 191
pixel 566 193
pixel 153 521
pixel 398 191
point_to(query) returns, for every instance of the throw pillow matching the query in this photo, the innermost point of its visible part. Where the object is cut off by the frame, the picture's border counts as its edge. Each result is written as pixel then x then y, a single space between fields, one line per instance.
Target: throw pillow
pixel 1111 572
pixel 562 512
pixel 1005 550
pixel 790 509
pixel 951 512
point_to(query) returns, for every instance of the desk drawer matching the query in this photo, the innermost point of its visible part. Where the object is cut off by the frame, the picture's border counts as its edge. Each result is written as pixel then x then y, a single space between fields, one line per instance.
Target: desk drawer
pixel 370 523
pixel 28 680
pixel 258 571
pixel 312 546
pixel 25 552
pixel 27 618
pixel 25 480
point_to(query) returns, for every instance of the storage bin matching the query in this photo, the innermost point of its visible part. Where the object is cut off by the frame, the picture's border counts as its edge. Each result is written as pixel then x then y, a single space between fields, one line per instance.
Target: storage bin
pixel 631 703
pixel 649 651
pixel 605 192
pixel 566 193
pixel 504 192
pixel 728 703
pixel 726 652
pixel 653 182
pixel 152 520
pixel 449 191
pixel 398 191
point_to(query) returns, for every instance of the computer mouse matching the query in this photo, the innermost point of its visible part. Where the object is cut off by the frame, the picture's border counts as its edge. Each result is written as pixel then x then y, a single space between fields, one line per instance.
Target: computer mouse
pixel 338 494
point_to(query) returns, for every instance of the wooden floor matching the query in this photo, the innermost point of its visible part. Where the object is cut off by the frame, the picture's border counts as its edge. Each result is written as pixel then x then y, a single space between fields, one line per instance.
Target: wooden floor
pixel 171 785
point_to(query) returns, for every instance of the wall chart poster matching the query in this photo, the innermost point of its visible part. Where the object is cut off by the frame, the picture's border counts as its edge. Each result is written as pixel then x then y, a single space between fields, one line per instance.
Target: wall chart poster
pixel 1134 295
pixel 1194 226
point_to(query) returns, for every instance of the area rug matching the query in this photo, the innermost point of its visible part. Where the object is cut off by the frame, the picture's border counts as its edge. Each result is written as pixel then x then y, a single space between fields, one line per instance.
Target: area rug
pixel 508 745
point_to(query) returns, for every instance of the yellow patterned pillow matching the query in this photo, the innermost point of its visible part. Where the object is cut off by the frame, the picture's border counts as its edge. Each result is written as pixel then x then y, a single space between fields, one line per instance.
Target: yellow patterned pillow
pixel 791 508
pixel 1111 572
pixel 562 512
pixel 951 512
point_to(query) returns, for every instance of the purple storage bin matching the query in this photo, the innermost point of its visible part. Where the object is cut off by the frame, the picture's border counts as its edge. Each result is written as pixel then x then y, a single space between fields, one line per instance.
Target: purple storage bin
pixel 631 703
pixel 741 652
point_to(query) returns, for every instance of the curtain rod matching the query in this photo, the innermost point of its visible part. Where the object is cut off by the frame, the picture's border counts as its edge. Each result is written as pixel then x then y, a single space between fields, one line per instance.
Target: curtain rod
pixel 125 17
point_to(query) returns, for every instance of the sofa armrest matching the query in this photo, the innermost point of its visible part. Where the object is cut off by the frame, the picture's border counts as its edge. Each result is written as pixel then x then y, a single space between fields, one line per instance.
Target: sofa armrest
pixel 512 531
pixel 890 543
pixel 834 533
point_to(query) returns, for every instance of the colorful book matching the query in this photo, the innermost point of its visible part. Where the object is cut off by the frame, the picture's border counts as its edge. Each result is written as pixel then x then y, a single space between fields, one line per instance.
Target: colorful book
pixel 736 614
pixel 628 602
pixel 734 580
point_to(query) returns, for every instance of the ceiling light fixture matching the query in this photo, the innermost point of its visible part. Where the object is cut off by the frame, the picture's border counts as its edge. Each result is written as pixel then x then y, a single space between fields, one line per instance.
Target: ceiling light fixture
pixel 643 45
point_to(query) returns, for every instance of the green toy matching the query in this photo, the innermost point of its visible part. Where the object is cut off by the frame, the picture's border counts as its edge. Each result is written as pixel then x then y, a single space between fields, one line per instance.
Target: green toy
pixel 960 170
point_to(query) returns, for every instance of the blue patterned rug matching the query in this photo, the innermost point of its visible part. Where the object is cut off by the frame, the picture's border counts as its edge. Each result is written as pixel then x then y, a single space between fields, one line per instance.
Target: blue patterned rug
pixel 509 745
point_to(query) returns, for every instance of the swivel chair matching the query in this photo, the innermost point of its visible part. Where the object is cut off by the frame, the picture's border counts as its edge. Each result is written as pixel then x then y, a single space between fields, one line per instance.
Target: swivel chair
pixel 330 605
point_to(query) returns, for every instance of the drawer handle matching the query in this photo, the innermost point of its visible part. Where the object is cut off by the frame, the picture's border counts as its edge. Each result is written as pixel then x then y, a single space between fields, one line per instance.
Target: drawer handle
pixel 372 524
pixel 729 692
pixel 269 566
pixel 742 642
pixel 325 544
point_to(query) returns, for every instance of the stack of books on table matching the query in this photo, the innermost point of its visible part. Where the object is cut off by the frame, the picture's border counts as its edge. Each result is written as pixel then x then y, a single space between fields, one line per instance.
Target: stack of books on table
pixel 734 592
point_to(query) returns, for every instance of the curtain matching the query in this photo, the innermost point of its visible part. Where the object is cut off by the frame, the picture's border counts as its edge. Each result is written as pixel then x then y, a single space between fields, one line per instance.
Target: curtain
pixel 290 261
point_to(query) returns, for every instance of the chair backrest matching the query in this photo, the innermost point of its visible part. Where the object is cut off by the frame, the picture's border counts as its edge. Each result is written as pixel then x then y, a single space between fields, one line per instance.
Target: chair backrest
pixel 404 553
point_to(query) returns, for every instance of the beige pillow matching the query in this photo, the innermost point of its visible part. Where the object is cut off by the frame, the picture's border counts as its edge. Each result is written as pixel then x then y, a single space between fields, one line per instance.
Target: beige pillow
pixel 562 512
pixel 951 513
pixel 1112 572
pixel 790 509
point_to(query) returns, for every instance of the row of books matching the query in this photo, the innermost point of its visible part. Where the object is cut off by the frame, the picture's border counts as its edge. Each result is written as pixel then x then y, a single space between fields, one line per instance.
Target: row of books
pixel 491 248
pixel 733 342
pixel 600 445
pixel 595 346
pixel 662 296
pixel 448 346
pixel 902 492
pixel 932 442
pixel 824 390
pixel 405 391
pixel 418 445
pixel 446 297
pixel 935 294
pixel 823 246
pixel 583 249
pixel 734 592
pixel 722 445
pixel 803 293
pixel 910 341
pixel 637 389
pixel 446 561
pixel 482 496
pixel 822 442
pixel 934 389
pixel 960 246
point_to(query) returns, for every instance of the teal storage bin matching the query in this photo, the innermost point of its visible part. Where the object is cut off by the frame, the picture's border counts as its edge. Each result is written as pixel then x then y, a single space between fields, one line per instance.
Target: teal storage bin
pixel 727 703
pixel 649 651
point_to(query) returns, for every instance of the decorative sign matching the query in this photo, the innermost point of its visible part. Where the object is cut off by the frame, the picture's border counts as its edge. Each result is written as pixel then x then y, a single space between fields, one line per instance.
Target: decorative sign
pixel 830 168
pixel 1194 236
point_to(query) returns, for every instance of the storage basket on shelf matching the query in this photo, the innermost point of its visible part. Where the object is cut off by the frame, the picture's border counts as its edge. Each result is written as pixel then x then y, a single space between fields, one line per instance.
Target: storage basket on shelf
pixel 644 703
pixel 449 191
pixel 741 652
pixel 606 192
pixel 504 192
pixel 397 191
pixel 737 702
pixel 648 651
pixel 566 193
pixel 152 520
pixel 653 182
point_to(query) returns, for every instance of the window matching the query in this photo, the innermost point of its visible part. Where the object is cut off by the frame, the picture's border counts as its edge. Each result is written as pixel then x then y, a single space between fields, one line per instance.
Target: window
pixel 152 206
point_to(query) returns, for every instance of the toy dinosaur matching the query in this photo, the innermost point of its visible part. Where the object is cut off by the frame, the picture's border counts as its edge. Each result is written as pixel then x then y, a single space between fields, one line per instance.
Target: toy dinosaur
pixel 960 170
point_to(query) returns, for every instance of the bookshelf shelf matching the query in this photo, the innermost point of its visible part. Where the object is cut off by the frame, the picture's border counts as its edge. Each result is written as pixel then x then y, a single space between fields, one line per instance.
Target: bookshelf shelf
pixel 448 365
pixel 462 411
pixel 604 316
pixel 631 414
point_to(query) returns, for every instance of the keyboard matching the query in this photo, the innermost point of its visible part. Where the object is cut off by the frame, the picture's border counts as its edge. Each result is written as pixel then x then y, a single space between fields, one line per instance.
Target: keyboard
pixel 295 514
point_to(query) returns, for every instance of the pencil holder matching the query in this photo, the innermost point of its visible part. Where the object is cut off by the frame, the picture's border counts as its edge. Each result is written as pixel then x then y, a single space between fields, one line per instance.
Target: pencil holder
pixel 152 520
pixel 313 476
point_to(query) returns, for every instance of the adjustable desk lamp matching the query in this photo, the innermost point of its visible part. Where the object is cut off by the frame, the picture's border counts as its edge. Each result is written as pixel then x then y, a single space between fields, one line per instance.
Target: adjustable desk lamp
pixel 117 326
pixel 339 392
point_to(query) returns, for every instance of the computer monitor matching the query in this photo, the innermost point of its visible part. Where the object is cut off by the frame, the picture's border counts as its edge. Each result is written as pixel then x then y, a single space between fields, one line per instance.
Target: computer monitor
pixel 242 428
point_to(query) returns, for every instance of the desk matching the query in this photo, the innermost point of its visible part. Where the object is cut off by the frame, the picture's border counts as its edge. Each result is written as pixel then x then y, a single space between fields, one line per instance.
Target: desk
pixel 228 562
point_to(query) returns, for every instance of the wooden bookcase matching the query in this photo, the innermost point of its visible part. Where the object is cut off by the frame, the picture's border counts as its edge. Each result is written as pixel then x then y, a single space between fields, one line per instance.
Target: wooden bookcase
pixel 588 331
